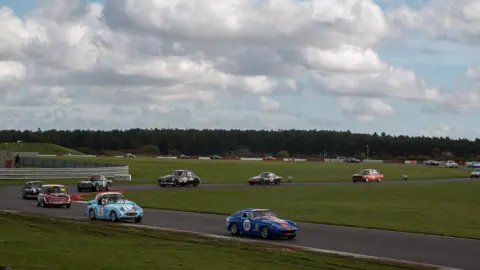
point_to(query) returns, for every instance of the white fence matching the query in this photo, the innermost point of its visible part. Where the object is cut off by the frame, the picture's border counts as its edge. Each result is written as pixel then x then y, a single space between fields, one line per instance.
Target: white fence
pixel 60 173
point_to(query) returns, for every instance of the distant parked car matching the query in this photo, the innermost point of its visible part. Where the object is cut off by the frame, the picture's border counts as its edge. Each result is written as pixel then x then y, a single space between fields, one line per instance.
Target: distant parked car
pixel 431 163
pixel 31 189
pixel 53 195
pixel 352 160
pixel 260 222
pixel 113 206
pixel 182 157
pixel 129 155
pixel 367 175
pixel 179 178
pixel 215 157
pixel 473 164
pixel 95 183
pixel 475 173
pixel 265 178
pixel 451 164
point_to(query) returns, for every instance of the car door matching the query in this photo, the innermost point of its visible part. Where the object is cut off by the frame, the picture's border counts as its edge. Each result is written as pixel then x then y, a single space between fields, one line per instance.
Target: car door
pixel 246 227
pixel 100 209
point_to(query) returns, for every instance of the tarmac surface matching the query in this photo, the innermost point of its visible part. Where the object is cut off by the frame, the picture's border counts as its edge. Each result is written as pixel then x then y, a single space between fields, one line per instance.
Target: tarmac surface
pixel 437 250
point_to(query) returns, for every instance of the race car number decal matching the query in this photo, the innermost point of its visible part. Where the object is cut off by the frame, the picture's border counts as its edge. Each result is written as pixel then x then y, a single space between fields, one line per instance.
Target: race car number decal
pixel 100 211
pixel 246 225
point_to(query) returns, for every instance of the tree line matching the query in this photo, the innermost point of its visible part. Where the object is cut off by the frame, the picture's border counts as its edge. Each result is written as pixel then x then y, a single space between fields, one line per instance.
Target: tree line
pixel 254 143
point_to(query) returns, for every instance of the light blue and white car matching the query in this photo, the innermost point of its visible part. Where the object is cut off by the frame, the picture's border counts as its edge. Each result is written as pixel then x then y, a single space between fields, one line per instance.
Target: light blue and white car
pixel 475 173
pixel 113 206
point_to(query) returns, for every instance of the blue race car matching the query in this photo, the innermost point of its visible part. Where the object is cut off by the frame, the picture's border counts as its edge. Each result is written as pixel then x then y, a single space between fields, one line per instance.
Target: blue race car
pixel 260 222
pixel 114 207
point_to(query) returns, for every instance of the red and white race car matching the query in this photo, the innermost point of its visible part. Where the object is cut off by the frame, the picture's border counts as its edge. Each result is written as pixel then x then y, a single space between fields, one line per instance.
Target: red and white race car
pixel 367 175
pixel 53 195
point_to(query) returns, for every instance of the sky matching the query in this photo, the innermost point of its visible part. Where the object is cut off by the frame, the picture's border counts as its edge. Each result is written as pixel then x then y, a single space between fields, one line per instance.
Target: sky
pixel 408 67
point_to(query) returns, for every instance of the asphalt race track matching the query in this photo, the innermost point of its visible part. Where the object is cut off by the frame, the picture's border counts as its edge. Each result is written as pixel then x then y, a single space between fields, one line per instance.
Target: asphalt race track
pixel 444 251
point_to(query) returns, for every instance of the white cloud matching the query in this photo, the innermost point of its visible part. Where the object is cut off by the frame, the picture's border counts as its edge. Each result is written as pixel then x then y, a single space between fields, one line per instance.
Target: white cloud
pixel 473 73
pixel 455 20
pixel 442 130
pixel 194 63
pixel 365 110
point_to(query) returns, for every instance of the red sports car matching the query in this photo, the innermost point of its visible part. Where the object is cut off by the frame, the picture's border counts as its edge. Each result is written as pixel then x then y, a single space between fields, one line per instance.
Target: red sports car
pixel 367 175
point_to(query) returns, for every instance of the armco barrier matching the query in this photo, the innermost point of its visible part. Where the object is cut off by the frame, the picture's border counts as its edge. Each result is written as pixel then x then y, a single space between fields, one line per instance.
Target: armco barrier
pixel 60 173
pixel 63 163
pixel 122 177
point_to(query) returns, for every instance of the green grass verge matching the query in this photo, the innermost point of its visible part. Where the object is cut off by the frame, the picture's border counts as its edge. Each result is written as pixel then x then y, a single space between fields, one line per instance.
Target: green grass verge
pixel 442 208
pixel 46 243
pixel 147 170
pixel 41 148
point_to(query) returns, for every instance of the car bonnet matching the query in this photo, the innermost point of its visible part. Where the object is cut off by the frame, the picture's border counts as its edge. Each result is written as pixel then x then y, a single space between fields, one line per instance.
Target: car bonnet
pixel 276 221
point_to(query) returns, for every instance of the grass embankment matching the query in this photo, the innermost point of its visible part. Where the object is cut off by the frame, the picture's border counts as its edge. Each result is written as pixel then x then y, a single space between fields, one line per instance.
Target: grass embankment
pixel 41 148
pixel 442 208
pixel 46 243
pixel 147 170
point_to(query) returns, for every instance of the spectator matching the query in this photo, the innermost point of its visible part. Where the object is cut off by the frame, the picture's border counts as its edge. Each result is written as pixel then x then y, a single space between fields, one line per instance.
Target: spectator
pixel 17 161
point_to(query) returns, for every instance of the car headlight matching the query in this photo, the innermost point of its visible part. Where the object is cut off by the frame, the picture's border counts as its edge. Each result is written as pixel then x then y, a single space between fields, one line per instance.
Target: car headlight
pixel 122 208
pixel 134 208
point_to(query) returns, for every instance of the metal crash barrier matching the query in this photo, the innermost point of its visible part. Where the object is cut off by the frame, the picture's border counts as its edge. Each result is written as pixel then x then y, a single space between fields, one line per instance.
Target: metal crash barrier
pixel 61 173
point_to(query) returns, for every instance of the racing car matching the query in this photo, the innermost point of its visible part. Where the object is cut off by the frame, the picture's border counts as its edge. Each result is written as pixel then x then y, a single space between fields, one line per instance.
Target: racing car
pixel 475 173
pixel 53 194
pixel 431 163
pixel 367 175
pixel 265 178
pixel 31 189
pixel 113 206
pixel 179 177
pixel 473 164
pixel 260 222
pixel 94 183
pixel 451 164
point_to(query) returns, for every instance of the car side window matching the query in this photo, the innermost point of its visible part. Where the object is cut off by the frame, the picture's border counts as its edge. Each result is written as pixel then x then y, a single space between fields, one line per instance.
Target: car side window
pixel 244 215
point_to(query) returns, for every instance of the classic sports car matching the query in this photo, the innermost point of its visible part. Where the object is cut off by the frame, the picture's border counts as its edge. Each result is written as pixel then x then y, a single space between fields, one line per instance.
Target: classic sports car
pixel 94 183
pixel 367 175
pixel 53 195
pixel 113 206
pixel 473 164
pixel 475 173
pixel 451 164
pixel 431 163
pixel 265 178
pixel 179 177
pixel 260 222
pixel 129 155
pixel 31 189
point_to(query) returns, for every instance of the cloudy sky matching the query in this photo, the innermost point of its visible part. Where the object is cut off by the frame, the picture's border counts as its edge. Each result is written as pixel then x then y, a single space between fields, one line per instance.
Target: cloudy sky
pixel 395 66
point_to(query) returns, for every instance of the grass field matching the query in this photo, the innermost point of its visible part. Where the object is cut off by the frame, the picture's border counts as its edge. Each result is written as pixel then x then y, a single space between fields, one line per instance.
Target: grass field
pixel 46 243
pixel 42 148
pixel 147 170
pixel 442 208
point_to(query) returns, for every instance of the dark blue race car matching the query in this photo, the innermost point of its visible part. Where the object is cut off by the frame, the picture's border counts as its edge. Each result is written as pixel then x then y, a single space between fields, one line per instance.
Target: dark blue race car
pixel 260 222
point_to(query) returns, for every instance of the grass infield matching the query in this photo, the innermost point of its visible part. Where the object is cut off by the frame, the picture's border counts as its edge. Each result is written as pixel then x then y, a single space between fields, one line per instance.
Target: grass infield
pixel 47 243
pixel 443 208
pixel 147 170
pixel 42 148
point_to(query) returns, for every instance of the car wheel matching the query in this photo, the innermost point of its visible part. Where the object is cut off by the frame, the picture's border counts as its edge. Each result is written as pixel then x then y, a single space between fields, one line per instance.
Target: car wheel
pixel 162 185
pixel 291 236
pixel 365 180
pixel 67 205
pixel 251 183
pixel 97 188
pixel 109 186
pixel 38 203
pixel 24 196
pixel 44 205
pixel 113 216
pixel 137 219
pixel 195 183
pixel 276 182
pixel 265 233
pixel 79 190
pixel 234 229
pixel 91 214
pixel 354 181
pixel 175 183
pixel 379 180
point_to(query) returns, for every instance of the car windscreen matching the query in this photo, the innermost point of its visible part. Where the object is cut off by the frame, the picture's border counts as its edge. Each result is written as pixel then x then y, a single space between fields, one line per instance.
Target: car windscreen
pixel 177 173
pixel 55 190
pixel 115 199
pixel 34 185
pixel 257 214
pixel 264 174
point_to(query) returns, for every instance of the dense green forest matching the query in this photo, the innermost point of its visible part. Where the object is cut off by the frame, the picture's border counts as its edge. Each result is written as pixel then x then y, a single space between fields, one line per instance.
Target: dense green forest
pixel 298 143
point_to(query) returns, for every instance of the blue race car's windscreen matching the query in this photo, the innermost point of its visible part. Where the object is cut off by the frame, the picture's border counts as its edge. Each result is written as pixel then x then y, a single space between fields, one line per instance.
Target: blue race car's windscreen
pixel 257 214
